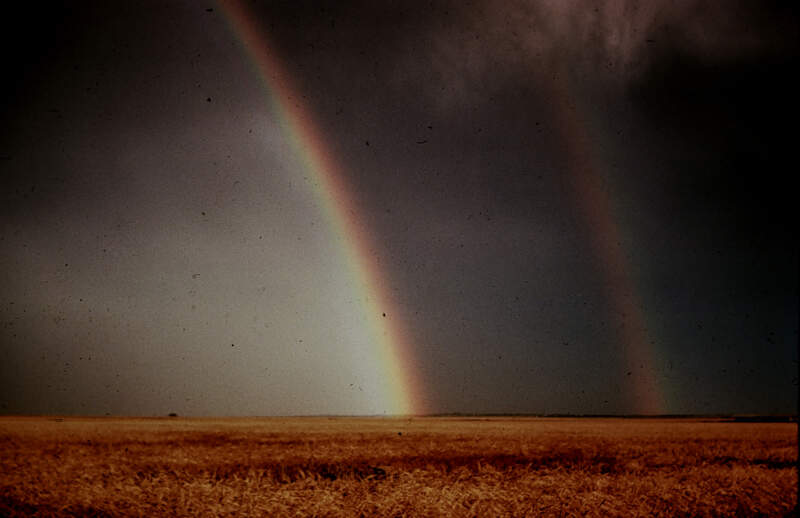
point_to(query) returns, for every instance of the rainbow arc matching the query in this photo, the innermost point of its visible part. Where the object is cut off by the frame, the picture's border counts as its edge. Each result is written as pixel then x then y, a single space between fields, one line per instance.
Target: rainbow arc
pixel 393 351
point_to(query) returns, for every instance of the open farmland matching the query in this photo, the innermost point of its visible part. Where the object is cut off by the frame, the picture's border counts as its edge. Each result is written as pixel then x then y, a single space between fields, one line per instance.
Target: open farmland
pixel 396 467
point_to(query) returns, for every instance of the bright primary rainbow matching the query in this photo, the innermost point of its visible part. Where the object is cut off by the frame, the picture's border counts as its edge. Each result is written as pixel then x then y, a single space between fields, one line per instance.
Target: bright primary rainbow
pixel 393 348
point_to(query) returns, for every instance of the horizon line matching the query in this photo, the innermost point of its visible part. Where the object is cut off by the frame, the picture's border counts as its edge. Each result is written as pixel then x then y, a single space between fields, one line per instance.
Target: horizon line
pixel 740 417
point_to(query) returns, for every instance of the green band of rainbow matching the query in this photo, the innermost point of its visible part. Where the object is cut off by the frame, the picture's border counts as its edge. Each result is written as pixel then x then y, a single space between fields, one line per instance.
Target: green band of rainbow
pixel 393 351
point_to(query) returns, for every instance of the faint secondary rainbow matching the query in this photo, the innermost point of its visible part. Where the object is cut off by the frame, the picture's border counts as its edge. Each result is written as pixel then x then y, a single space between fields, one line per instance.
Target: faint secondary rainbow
pixel 594 203
pixel 392 344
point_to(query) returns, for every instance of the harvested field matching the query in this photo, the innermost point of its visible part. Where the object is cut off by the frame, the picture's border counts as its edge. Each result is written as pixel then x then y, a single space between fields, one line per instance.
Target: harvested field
pixel 396 467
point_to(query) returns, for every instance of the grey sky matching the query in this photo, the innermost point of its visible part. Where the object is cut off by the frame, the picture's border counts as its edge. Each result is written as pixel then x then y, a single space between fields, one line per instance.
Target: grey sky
pixel 161 249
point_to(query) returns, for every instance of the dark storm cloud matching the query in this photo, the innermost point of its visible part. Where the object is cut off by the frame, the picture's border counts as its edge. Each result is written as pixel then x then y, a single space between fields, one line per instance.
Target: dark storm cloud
pixel 450 49
pixel 482 73
pixel 708 80
pixel 418 56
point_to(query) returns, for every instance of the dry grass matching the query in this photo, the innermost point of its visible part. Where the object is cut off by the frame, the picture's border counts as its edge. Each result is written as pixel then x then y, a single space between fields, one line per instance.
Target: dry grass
pixel 396 467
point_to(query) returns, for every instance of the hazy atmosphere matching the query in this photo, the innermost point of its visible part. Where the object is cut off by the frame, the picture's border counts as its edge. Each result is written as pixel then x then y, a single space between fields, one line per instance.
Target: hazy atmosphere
pixel 569 207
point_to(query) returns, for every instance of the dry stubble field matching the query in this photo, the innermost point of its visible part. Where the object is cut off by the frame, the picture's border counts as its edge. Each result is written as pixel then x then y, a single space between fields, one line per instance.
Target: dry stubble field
pixel 396 467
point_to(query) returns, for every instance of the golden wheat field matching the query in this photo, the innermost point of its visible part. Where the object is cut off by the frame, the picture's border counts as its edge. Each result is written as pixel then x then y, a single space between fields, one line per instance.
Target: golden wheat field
pixel 396 467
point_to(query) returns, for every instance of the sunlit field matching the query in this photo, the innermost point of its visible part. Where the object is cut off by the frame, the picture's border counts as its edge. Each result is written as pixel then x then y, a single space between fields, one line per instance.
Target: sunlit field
pixel 396 467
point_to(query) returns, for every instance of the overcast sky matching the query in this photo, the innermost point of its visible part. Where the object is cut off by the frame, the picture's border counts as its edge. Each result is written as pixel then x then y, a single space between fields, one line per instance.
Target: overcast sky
pixel 569 202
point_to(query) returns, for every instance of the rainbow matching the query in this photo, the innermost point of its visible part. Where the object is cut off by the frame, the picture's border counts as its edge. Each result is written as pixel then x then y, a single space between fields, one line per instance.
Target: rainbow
pixel 594 203
pixel 393 349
